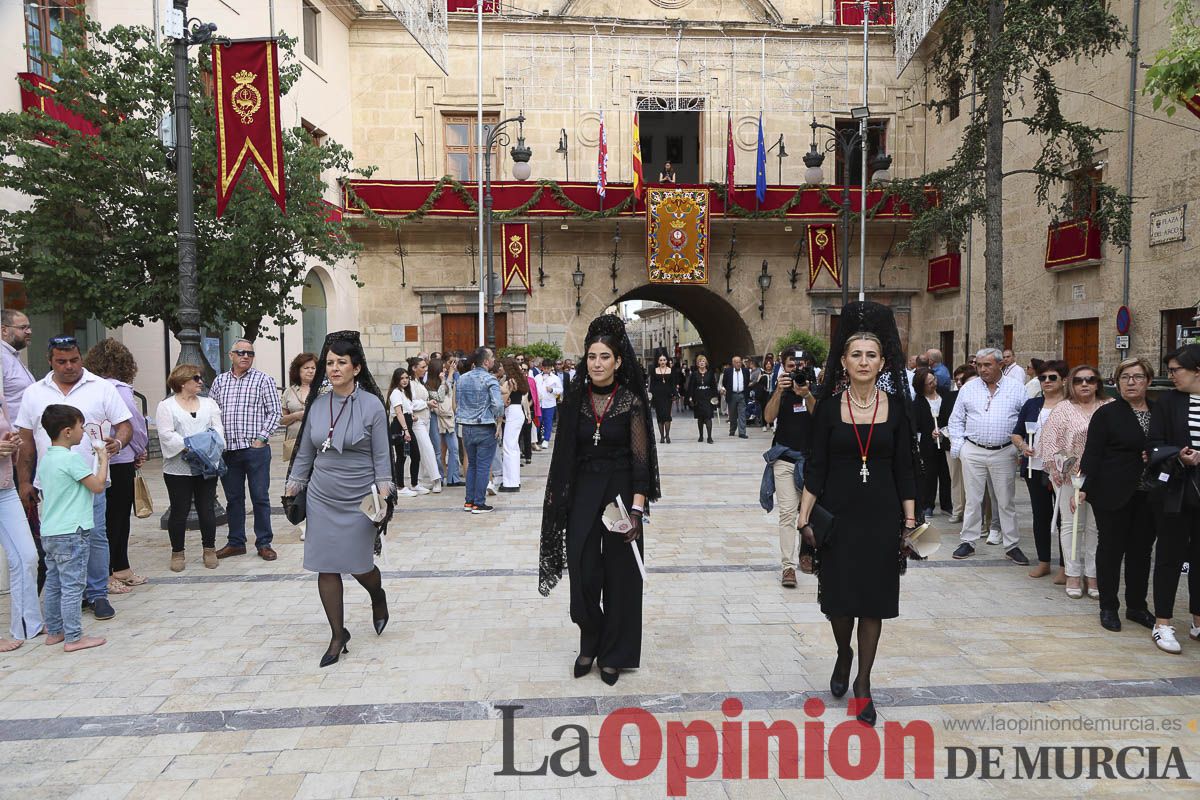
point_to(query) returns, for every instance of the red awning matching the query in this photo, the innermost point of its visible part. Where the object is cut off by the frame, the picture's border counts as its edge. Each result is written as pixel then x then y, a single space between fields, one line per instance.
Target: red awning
pixel 945 273
pixel 1071 243
pixel 451 199
pixel 33 101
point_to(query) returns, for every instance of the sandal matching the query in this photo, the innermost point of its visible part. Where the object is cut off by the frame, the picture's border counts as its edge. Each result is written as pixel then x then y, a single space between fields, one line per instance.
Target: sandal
pixel 127 577
pixel 116 586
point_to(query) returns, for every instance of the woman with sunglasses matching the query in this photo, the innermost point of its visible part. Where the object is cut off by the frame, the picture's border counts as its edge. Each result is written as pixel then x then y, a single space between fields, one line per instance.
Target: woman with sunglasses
pixel 1041 496
pixel 1116 488
pixel 1173 425
pixel 1062 439
pixel 185 414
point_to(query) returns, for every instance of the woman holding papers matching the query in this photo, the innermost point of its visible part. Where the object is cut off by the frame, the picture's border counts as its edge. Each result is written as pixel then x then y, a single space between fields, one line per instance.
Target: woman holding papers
pixel 863 470
pixel 605 451
pixel 1034 413
pixel 342 453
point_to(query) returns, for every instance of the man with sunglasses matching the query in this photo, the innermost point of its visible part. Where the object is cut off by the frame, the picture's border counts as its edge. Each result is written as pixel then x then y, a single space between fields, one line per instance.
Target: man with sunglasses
pixel 68 383
pixel 250 412
pixel 980 429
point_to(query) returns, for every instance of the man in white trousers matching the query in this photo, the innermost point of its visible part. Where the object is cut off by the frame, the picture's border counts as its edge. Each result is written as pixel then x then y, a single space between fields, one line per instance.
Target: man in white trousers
pixel 980 426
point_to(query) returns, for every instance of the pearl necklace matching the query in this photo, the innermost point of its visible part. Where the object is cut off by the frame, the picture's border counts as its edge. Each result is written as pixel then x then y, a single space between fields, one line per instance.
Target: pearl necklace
pixel 865 405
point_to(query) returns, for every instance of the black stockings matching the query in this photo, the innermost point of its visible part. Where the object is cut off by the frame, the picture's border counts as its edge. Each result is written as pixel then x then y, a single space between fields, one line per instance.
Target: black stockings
pixel 702 425
pixel 869 630
pixel 329 585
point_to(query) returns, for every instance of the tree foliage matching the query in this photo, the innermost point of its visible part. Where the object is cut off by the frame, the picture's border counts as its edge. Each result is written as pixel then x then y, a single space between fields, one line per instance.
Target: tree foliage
pixel 98 237
pixel 1012 52
pixel 808 342
pixel 546 350
pixel 1175 75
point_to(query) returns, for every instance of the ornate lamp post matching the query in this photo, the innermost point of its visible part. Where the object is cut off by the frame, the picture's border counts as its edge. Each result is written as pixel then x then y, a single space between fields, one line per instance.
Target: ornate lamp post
pixel 521 154
pixel 782 154
pixel 844 141
pixel 189 302
pixel 764 283
pixel 577 278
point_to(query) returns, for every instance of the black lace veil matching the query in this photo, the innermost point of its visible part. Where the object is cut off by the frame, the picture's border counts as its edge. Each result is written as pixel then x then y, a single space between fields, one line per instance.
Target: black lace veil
pixel 859 317
pixel 560 483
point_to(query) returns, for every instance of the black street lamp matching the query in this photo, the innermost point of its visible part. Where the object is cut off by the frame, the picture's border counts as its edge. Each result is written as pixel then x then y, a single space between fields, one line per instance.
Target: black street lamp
pixel 577 278
pixel 199 33
pixel 844 141
pixel 782 154
pixel 562 151
pixel 521 154
pixel 764 283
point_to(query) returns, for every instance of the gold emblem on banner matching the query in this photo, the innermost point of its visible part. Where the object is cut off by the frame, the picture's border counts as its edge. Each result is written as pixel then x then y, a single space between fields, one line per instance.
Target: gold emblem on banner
pixel 245 97
pixel 515 247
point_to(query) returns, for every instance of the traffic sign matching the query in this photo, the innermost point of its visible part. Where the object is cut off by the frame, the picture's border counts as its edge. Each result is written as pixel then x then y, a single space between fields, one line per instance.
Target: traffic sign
pixel 1122 342
pixel 1123 320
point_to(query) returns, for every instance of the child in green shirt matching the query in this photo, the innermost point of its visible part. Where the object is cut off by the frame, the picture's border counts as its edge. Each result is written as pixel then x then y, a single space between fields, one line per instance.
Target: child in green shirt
pixel 67 488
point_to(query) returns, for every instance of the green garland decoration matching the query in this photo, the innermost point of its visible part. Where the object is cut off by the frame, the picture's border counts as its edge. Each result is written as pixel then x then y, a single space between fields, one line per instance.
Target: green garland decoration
pixel 579 212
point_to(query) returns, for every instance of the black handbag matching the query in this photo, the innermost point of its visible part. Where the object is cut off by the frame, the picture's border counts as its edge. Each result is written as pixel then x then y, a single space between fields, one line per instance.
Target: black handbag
pixel 821 522
pixel 295 507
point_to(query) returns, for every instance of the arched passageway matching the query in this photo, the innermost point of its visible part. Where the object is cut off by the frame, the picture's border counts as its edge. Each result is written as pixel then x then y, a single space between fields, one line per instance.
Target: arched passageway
pixel 720 326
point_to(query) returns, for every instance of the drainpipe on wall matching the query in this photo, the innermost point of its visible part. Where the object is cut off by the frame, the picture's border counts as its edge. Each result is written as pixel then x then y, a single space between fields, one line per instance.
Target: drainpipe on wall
pixel 970 252
pixel 1129 141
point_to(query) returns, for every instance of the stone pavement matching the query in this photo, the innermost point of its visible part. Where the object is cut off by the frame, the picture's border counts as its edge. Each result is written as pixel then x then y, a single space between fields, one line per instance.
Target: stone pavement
pixel 209 686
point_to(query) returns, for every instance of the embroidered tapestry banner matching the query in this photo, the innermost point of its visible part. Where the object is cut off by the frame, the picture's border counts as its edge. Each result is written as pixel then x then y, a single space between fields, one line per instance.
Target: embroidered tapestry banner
pixel 246 94
pixel 516 255
pixel 677 234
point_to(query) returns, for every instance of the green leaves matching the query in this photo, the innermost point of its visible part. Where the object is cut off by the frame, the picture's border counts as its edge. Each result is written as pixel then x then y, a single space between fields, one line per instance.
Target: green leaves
pixel 1175 75
pixel 98 237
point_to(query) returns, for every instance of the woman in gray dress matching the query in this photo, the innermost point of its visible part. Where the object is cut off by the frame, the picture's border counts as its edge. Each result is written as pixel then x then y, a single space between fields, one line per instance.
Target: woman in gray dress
pixel 342 451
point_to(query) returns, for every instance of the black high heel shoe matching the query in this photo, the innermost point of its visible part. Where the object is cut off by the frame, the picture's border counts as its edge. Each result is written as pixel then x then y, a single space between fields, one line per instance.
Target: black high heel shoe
pixel 583 669
pixel 867 713
pixel 839 681
pixel 609 677
pixel 331 658
pixel 380 621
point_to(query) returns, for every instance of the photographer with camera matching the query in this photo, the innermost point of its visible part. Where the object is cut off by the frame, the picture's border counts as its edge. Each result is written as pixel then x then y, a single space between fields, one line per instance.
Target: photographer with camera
pixel 791 404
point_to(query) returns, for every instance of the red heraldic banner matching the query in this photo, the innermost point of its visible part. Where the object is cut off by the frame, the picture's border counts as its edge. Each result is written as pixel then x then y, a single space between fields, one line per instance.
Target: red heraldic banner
pixel 822 253
pixel 677 234
pixel 516 255
pixel 246 88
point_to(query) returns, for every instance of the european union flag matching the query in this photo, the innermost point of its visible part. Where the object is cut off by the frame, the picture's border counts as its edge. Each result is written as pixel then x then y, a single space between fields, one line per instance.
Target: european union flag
pixel 760 165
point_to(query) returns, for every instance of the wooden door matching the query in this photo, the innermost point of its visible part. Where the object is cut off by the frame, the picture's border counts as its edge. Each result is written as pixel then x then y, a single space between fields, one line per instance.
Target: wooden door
pixel 460 333
pixel 1081 341
pixel 1008 337
pixel 946 345
pixel 501 331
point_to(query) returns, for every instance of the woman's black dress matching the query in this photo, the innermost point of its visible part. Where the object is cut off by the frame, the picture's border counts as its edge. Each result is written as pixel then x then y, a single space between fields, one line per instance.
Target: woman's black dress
pixel 606 586
pixel 662 393
pixel 860 566
pixel 701 390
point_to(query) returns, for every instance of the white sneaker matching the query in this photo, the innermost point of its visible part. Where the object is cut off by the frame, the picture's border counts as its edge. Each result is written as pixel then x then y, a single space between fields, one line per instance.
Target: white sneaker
pixel 1164 637
pixel 407 492
pixel 954 519
pixel 437 487
pixel 491 490
pixel 994 537
pixel 1194 633
pixel 302 527
pixel 419 489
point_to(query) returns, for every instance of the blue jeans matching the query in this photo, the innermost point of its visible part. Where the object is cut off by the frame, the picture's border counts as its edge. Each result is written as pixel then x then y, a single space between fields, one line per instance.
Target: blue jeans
pixel 453 467
pixel 98 560
pixel 480 444
pixel 67 558
pixel 250 465
pixel 548 423
pixel 26 621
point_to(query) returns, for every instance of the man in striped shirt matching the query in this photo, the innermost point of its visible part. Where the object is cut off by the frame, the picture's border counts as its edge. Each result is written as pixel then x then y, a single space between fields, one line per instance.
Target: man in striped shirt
pixel 250 412
pixel 980 429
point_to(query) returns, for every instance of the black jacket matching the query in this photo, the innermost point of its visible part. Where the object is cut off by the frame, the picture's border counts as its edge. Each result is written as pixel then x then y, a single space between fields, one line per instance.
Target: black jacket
pixel 727 381
pixel 926 422
pixel 1169 426
pixel 1112 464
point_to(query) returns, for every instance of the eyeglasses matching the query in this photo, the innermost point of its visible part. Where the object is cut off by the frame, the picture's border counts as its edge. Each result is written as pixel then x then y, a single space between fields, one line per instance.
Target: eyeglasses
pixel 243 353
pixel 1079 380
pixel 1135 378
pixel 25 327
pixel 1172 370
pixel 198 378
pixel 1047 378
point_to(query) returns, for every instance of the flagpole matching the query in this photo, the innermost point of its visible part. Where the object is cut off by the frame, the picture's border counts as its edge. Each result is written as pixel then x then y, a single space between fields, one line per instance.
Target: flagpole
pixel 863 144
pixel 479 141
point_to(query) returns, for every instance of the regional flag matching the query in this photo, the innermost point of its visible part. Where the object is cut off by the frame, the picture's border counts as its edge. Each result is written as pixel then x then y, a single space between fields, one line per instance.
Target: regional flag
pixel 638 188
pixel 602 160
pixel 246 94
pixel 760 168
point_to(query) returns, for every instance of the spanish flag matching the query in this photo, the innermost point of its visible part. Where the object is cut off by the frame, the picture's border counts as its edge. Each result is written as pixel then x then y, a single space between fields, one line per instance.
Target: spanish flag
pixel 638 181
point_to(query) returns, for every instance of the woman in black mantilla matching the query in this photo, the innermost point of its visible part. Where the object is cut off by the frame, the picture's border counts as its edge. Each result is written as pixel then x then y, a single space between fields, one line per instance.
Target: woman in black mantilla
pixel 606 449
pixel 863 469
